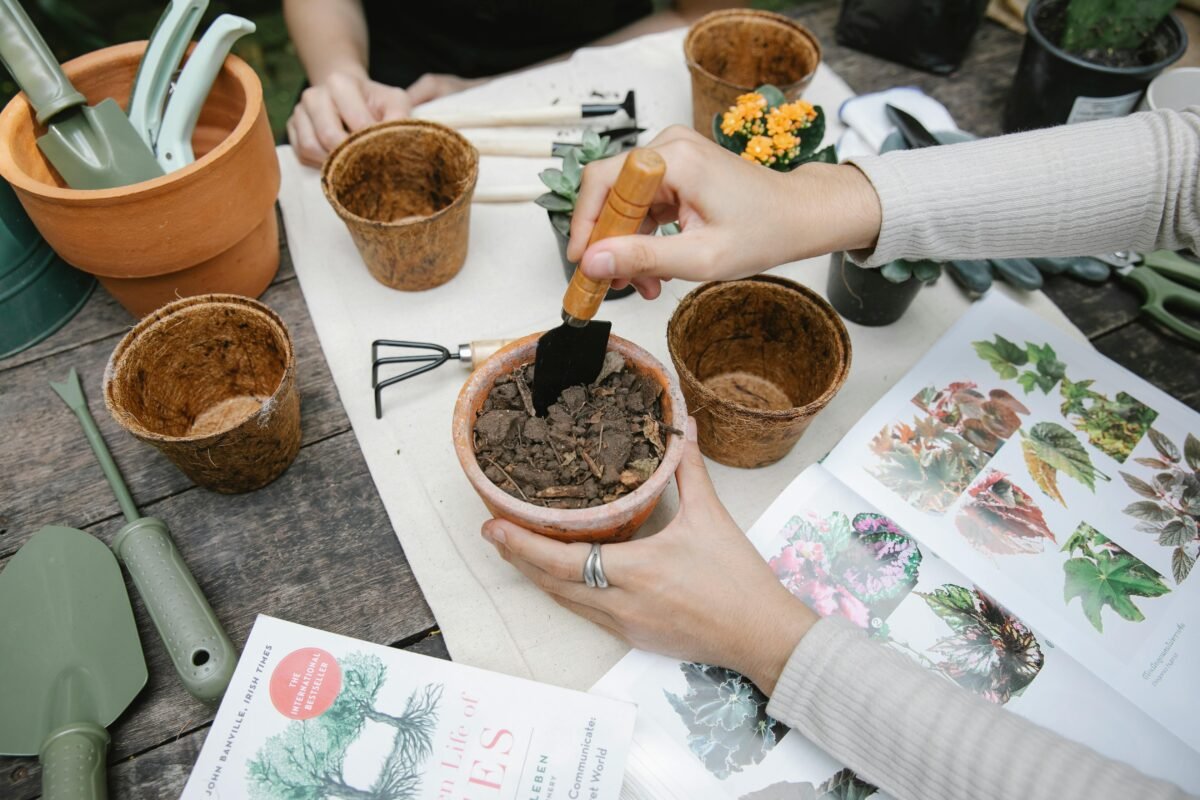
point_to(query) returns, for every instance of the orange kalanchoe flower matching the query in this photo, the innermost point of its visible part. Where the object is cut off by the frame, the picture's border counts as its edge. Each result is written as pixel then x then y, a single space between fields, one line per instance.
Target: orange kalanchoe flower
pixel 759 149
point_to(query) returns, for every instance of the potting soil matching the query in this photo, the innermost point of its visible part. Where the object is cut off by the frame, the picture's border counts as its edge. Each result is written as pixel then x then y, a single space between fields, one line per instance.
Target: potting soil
pixel 596 444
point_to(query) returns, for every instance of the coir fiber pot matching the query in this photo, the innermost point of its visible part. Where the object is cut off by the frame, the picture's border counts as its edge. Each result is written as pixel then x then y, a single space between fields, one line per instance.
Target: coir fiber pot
pixel 732 52
pixel 611 522
pixel 1053 87
pixel 211 382
pixel 569 268
pixel 758 359
pixel 209 227
pixel 864 296
pixel 404 191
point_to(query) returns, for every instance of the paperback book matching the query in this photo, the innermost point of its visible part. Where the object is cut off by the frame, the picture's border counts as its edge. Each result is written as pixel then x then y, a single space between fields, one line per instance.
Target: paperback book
pixel 316 715
pixel 1018 515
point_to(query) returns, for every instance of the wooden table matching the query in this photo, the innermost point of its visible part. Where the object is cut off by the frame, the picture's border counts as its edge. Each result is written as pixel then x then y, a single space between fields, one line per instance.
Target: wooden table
pixel 316 547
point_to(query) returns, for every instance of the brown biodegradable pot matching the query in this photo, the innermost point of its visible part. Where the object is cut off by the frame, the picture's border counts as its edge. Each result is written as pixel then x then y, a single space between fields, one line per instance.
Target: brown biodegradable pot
pixel 611 522
pixel 732 52
pixel 211 382
pixel 758 359
pixel 209 227
pixel 404 190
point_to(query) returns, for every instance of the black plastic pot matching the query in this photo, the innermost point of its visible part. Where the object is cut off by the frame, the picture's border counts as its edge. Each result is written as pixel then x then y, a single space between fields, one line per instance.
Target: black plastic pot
pixel 1053 87
pixel 863 295
pixel 569 268
pixel 932 35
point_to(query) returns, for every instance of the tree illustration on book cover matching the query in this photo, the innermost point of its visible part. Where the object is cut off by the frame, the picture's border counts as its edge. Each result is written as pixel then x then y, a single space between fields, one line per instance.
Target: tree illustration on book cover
pixel 842 785
pixel 726 716
pixel 1101 573
pixel 989 652
pixel 306 761
pixel 1000 517
pixel 1049 448
pixel 858 569
pixel 1171 510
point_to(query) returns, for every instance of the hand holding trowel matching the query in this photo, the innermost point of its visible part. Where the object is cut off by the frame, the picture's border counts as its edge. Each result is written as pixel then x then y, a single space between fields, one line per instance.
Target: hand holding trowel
pixel 573 353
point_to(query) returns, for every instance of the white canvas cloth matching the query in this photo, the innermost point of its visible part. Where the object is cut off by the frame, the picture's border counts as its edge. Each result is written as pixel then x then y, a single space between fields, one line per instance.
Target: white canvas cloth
pixel 512 284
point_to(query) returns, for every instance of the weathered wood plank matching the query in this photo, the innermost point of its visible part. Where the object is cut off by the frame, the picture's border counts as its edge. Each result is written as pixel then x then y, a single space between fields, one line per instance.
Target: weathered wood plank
pixel 48 474
pixel 1158 356
pixel 1095 310
pixel 315 547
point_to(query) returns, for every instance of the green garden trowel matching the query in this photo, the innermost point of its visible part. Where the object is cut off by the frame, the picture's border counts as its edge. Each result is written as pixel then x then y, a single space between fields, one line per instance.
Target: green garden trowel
pixel 92 147
pixel 71 660
pixel 201 651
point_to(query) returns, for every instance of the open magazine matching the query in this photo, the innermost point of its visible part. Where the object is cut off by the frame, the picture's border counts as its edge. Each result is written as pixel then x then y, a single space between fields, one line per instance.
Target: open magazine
pixel 1018 515
pixel 316 715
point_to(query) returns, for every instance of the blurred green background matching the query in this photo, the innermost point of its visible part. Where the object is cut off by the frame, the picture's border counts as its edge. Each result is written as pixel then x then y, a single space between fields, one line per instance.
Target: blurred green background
pixel 75 27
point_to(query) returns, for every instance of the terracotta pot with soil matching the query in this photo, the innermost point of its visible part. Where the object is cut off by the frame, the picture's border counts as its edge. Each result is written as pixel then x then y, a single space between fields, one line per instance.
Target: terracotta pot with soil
pixel 594 468
pixel 404 191
pixel 758 359
pixel 209 227
pixel 211 382
pixel 731 52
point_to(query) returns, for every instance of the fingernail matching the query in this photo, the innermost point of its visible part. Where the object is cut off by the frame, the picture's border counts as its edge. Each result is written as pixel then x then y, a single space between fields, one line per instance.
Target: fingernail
pixel 690 434
pixel 486 530
pixel 602 265
pixel 497 533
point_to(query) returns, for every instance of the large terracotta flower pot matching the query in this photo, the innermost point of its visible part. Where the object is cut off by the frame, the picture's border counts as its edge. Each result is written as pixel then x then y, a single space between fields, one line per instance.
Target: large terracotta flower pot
pixel 611 522
pixel 209 227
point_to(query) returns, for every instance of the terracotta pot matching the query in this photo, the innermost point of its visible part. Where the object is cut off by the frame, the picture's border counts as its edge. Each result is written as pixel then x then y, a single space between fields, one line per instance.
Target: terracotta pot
pixel 732 52
pixel 611 522
pixel 404 190
pixel 211 382
pixel 758 359
pixel 198 229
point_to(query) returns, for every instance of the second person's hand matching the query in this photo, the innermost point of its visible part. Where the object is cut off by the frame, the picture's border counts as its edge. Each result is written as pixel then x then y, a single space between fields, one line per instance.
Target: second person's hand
pixel 737 218
pixel 344 102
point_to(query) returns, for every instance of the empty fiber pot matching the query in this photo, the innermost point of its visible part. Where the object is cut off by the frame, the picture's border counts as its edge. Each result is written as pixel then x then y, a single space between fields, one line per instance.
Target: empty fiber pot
pixel 404 190
pixel 758 359
pixel 209 227
pixel 611 522
pixel 732 52
pixel 211 382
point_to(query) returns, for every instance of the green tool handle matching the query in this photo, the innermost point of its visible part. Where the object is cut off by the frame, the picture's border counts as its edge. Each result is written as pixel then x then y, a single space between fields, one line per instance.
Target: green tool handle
pixel 1159 292
pixel 202 653
pixel 73 763
pixel 32 65
pixel 111 472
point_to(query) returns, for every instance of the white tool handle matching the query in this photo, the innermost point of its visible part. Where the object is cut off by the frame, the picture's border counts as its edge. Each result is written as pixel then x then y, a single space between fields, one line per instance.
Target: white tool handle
pixel 524 144
pixel 545 115
pixel 174 146
pixel 508 194
pixel 163 53
pixel 475 353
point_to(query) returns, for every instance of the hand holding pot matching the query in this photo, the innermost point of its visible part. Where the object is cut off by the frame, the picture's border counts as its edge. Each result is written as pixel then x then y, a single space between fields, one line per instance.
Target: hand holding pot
pixel 343 103
pixel 737 218
pixel 697 590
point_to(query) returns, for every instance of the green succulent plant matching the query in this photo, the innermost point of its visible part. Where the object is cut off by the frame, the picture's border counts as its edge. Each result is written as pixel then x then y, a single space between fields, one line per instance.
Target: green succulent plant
pixel 564 183
pixel 901 270
pixel 1109 25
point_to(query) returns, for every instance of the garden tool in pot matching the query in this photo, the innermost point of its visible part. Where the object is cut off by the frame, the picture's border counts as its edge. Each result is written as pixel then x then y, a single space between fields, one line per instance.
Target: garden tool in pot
pixel 559 114
pixel 164 51
pixel 92 147
pixel 199 648
pixel 429 356
pixel 71 660
pixel 174 144
pixel 573 353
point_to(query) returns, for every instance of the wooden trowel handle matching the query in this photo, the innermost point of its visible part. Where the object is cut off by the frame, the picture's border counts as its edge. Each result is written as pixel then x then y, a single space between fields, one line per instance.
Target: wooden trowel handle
pixel 623 213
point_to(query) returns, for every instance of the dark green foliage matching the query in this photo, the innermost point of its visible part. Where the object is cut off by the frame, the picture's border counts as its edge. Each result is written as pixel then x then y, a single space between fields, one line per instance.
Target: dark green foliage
pixel 1113 426
pixel 810 137
pixel 1005 357
pixel 1101 573
pixel 1109 25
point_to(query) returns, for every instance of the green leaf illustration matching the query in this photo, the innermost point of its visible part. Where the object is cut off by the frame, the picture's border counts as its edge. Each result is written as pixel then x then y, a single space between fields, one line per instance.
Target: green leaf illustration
pixel 1139 486
pixel 1164 446
pixel 1149 511
pixel 1058 449
pixel 1003 355
pixel 1181 564
pixel 1191 452
pixel 1104 574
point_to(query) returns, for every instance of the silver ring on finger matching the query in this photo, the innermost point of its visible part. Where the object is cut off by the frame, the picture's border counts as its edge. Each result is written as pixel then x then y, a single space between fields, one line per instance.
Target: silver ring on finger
pixel 598 569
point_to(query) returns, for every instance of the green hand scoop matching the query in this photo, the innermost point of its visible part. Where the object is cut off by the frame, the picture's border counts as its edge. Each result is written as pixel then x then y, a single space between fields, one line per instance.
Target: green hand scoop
pixel 71 660
pixel 201 651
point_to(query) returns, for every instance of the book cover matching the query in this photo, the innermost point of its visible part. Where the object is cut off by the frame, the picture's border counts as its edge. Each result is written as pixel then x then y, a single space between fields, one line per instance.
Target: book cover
pixel 316 715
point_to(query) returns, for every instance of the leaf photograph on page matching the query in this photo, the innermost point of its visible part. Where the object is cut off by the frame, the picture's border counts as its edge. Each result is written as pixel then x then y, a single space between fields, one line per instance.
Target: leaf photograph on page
pixel 726 717
pixel 859 569
pixel 1113 427
pixel 1049 448
pixel 986 422
pixel 842 785
pixel 1000 517
pixel 927 464
pixel 1171 510
pixel 1042 369
pixel 1102 573
pixel 308 758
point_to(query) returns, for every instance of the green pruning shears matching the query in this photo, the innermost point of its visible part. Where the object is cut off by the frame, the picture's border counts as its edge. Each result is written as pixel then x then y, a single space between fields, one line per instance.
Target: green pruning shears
pixel 1165 279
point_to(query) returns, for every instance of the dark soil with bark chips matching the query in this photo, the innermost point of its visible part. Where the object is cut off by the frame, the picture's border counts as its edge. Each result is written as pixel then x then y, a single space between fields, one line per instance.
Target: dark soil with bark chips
pixel 596 444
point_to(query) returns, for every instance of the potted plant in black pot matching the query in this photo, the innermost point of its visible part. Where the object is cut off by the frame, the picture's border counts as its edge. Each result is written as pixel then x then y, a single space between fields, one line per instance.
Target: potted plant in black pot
pixel 876 296
pixel 1090 59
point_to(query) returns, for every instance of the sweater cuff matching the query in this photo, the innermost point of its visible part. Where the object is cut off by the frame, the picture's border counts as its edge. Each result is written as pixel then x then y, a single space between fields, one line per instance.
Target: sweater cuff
pixel 898 218
pixel 802 678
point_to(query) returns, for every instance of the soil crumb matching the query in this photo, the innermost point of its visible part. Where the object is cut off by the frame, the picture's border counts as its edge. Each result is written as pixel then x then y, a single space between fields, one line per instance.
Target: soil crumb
pixel 596 444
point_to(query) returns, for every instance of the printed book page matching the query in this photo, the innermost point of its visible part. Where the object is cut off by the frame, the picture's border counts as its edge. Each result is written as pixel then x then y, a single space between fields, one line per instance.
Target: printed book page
pixel 317 715
pixel 703 731
pixel 1062 484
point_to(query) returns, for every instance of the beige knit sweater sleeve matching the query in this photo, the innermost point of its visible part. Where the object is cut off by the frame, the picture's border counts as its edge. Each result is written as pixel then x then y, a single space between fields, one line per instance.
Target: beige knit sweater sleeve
pixel 1120 184
pixel 920 737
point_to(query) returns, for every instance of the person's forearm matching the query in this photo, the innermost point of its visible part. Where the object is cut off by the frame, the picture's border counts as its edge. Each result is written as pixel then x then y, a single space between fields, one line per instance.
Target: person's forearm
pixel 1074 190
pixel 330 36
pixel 919 737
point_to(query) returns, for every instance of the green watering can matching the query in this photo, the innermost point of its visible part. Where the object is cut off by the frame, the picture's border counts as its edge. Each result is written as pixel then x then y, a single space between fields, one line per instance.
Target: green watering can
pixel 71 661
